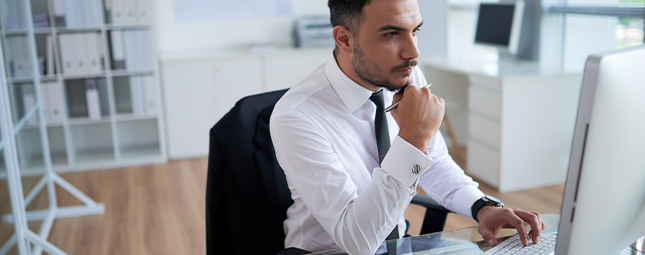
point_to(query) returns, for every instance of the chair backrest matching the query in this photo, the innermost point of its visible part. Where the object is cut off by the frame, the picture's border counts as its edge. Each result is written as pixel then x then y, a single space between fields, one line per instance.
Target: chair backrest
pixel 247 194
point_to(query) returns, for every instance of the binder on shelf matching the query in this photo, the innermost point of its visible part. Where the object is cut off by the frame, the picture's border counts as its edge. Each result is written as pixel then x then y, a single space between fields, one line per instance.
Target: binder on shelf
pixel 72 13
pixel 145 46
pixel 92 13
pixel 116 41
pixel 42 65
pixel 129 11
pixel 50 56
pixel 40 20
pixel 59 13
pixel 28 101
pixel 92 59
pixel 13 14
pixel 150 95
pixel 103 96
pixel 116 9
pixel 143 12
pixel 137 95
pixel 52 102
pixel 19 61
pixel 82 7
pixel 129 47
pixel 93 101
pixel 67 53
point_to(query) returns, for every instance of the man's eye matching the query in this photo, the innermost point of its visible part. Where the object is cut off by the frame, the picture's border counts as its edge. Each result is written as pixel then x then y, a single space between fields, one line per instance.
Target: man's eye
pixel 391 34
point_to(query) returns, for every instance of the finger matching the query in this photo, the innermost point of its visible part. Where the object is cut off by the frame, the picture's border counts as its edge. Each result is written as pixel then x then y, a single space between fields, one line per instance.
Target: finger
pixel 519 224
pixel 534 221
pixel 541 220
pixel 488 236
pixel 402 89
pixel 397 97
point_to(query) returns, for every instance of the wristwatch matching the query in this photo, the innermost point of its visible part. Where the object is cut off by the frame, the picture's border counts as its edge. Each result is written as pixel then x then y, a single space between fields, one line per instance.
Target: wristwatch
pixel 485 200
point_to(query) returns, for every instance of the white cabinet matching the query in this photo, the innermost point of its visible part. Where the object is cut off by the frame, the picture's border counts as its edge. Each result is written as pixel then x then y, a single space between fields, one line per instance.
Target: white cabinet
pixel 234 79
pixel 201 88
pixel 520 121
pixel 527 124
pixel 198 93
pixel 286 69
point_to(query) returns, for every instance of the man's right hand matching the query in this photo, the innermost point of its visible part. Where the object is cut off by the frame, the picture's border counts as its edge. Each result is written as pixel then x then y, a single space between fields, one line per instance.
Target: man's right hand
pixel 419 115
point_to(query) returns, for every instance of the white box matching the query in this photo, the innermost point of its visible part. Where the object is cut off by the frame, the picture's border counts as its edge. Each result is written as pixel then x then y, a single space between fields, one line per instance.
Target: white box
pixel 93 101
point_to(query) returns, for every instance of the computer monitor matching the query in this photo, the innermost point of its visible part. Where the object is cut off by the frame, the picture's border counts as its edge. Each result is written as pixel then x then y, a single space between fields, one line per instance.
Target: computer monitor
pixel 603 208
pixel 499 25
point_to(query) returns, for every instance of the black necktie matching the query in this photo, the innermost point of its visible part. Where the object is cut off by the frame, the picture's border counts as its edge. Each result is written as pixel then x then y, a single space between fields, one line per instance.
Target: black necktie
pixel 382 139
pixel 380 124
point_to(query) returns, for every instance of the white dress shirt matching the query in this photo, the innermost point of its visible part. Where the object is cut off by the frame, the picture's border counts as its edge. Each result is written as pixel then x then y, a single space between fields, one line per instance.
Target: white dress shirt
pixel 323 133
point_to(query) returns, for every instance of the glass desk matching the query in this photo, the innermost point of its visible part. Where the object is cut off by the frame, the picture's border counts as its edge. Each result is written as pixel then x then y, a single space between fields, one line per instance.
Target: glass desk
pixel 465 241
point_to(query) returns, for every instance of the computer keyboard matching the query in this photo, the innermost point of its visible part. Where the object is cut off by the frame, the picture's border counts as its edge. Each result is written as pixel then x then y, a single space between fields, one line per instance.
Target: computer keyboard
pixel 513 245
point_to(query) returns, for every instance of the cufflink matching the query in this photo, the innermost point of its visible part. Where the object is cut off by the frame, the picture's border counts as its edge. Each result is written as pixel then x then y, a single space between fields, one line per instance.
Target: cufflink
pixel 416 169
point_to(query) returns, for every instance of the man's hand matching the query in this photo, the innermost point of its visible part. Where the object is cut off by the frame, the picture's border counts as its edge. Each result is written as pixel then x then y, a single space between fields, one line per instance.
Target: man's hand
pixel 492 219
pixel 418 115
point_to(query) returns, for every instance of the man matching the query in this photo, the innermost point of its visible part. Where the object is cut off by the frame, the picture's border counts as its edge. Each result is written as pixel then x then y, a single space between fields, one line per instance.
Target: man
pixel 349 190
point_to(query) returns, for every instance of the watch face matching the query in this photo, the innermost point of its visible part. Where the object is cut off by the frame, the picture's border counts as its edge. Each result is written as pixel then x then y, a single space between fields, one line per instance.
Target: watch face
pixel 490 200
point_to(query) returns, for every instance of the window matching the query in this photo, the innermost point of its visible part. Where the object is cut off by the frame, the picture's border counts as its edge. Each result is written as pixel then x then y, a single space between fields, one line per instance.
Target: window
pixel 570 30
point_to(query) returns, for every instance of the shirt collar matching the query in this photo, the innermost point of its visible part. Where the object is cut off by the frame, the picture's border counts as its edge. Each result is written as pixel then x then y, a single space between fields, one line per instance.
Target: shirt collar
pixel 353 94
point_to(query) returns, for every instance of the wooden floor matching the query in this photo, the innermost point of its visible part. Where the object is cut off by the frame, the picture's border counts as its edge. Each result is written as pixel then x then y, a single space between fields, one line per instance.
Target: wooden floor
pixel 159 209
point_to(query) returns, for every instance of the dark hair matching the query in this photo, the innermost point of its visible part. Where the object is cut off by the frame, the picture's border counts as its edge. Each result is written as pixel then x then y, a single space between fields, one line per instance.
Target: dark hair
pixel 347 13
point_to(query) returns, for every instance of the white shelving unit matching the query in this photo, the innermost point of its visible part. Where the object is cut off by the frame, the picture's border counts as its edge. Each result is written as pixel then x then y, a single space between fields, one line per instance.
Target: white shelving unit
pixel 121 137
pixel 46 122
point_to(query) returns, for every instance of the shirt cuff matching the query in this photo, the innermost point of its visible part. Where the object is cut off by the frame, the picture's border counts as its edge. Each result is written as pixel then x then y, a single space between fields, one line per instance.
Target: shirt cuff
pixel 464 199
pixel 405 162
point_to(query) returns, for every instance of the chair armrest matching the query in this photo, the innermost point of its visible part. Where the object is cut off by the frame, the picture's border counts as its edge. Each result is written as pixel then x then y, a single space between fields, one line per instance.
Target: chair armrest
pixel 428 202
pixel 293 251
pixel 435 217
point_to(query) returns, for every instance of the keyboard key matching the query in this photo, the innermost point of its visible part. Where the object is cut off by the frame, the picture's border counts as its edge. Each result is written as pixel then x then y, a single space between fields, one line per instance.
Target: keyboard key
pixel 514 246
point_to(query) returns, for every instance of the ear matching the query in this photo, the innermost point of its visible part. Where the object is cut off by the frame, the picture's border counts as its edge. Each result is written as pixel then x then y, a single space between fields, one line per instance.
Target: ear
pixel 343 38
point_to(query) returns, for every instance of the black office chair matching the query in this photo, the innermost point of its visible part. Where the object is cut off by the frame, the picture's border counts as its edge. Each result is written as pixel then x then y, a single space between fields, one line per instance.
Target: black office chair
pixel 247 194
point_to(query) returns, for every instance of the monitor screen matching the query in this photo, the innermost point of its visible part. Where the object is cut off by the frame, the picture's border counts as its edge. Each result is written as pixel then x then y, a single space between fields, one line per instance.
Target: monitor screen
pixel 494 24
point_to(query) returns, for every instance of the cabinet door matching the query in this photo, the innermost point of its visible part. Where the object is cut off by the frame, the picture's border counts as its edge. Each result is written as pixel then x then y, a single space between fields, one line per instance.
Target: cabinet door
pixel 234 79
pixel 198 93
pixel 483 163
pixel 188 98
pixel 285 71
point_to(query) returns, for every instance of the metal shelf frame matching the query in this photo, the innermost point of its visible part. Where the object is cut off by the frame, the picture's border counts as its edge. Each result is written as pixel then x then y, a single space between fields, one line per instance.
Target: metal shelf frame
pixel 23 237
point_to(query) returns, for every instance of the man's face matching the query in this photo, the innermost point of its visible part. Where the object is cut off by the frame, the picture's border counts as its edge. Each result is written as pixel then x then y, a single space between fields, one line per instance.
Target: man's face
pixel 385 49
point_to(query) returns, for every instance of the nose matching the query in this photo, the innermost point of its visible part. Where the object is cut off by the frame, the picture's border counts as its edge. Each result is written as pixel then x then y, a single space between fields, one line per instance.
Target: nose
pixel 409 49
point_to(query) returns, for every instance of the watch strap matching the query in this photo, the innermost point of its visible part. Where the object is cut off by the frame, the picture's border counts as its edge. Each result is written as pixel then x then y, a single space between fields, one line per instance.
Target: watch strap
pixel 476 206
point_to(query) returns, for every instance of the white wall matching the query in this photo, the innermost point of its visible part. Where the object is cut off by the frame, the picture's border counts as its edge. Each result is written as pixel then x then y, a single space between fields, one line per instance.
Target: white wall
pixel 228 34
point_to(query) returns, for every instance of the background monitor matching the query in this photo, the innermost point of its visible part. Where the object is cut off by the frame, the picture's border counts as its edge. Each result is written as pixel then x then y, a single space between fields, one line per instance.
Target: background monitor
pixel 499 25
pixel 603 208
